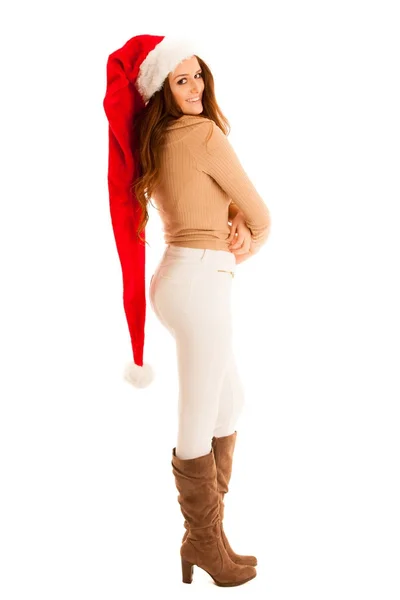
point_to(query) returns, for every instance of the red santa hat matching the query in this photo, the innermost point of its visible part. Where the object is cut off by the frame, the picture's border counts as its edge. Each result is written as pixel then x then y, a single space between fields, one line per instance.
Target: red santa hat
pixel 134 73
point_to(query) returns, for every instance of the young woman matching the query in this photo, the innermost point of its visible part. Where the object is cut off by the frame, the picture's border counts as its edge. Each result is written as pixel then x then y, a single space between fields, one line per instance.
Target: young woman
pixel 213 219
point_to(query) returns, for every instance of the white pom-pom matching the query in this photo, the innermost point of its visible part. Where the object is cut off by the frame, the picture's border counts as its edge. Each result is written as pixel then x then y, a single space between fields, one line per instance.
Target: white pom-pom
pixel 137 376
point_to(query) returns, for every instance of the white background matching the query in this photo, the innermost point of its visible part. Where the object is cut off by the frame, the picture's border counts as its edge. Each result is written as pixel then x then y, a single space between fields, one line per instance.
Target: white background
pixel 88 502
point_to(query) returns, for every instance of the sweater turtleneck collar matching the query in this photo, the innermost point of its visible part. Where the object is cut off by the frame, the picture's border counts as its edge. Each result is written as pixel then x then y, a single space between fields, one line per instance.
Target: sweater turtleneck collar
pixel 184 121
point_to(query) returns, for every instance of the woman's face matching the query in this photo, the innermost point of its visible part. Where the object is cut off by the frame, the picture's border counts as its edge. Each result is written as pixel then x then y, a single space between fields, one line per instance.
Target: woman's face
pixel 187 82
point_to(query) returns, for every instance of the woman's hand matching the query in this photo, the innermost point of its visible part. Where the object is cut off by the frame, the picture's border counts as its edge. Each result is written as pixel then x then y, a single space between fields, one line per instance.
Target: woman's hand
pixel 241 243
pixel 242 257
pixel 240 238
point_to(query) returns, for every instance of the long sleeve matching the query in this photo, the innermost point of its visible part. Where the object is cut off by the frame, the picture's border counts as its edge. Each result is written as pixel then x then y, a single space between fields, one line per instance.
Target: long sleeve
pixel 216 157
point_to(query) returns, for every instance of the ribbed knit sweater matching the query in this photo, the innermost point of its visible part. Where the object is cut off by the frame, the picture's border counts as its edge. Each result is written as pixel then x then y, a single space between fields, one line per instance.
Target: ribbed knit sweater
pixel 200 182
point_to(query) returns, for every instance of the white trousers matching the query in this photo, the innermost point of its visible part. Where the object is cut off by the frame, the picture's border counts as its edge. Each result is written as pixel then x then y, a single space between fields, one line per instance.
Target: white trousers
pixel 190 294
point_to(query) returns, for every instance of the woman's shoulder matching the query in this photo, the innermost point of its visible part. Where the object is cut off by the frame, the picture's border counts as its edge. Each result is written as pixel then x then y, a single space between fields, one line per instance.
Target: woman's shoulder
pixel 198 135
pixel 189 121
pixel 200 131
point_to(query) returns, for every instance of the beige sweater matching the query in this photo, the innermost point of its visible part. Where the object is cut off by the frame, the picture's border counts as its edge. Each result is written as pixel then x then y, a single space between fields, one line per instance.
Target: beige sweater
pixel 198 184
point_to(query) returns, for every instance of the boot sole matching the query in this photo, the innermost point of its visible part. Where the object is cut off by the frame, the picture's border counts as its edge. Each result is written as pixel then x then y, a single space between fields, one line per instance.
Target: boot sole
pixel 187 575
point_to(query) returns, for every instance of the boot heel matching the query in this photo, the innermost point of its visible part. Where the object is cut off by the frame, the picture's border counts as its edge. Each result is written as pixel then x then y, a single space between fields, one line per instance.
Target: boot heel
pixel 187 571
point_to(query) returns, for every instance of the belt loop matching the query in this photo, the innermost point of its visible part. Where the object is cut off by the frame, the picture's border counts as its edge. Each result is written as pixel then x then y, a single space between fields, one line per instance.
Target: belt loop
pixel 204 251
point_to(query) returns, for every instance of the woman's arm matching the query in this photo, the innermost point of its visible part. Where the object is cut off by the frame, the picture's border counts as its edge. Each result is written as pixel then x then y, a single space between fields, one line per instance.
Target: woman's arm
pixel 216 157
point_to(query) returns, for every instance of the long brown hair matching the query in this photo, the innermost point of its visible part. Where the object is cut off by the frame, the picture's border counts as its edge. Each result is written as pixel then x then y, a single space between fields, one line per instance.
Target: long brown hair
pixel 149 130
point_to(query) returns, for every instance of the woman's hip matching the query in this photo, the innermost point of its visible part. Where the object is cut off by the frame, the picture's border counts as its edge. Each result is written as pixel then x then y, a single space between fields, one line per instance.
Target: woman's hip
pixel 193 283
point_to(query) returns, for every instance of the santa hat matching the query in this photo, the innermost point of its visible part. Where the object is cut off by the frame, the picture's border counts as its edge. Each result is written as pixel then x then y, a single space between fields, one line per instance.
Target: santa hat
pixel 134 73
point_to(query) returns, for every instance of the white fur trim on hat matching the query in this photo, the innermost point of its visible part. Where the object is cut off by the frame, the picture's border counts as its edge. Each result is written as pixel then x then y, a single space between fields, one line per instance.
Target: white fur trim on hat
pixel 138 376
pixel 161 61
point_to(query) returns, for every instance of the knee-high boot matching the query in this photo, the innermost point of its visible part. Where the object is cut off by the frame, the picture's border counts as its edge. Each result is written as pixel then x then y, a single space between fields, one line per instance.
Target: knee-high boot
pixel 223 448
pixel 196 482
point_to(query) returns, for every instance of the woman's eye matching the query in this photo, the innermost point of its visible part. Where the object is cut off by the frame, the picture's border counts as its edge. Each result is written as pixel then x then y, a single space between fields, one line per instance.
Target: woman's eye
pixel 184 79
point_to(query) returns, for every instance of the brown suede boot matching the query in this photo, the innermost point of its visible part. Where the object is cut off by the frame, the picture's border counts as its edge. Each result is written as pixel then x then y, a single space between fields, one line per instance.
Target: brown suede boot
pixel 223 448
pixel 196 482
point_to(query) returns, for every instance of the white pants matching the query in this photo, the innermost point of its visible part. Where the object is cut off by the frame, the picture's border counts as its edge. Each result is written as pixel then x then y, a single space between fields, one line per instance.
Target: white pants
pixel 190 293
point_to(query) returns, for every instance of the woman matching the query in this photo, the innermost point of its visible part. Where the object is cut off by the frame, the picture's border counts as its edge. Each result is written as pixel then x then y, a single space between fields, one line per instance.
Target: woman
pixel 191 171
